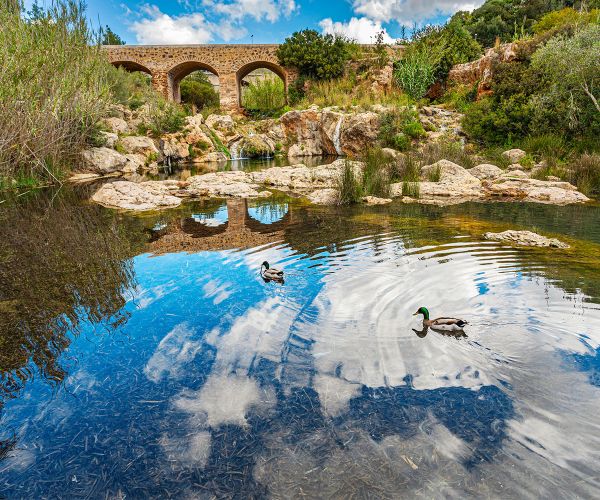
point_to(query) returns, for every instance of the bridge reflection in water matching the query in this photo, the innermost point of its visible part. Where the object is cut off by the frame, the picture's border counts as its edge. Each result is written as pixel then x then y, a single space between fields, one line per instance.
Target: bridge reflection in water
pixel 238 225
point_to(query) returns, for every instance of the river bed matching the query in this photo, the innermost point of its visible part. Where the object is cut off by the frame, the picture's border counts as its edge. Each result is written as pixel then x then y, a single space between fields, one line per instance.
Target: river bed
pixel 144 357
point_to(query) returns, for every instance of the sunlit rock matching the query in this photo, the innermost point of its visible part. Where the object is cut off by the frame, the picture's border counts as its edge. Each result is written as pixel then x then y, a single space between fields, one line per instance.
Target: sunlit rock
pixel 526 238
pixel 139 145
pixel 103 160
pixel 514 155
pixel 145 196
pixel 486 171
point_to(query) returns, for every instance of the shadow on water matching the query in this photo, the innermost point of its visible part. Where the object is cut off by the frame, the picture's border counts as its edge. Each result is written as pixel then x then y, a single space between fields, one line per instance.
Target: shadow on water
pixel 214 383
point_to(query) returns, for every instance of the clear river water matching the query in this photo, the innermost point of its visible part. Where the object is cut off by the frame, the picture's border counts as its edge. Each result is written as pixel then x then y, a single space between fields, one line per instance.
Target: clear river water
pixel 144 356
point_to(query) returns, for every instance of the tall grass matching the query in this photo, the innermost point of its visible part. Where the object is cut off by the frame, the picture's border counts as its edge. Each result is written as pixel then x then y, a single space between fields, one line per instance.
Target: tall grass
pixel 446 150
pixel 264 96
pixel 585 173
pixel 54 87
pixel 348 92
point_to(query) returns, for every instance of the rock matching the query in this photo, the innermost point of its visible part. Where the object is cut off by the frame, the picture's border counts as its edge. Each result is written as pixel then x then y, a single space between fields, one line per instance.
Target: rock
pixel 103 160
pixel 373 200
pixel 533 190
pixel 139 145
pixel 327 196
pixel 360 132
pixel 553 178
pixel 139 197
pixel 302 130
pixel 135 162
pixel 486 171
pixel 110 139
pixel 116 125
pixel 256 146
pixel 514 155
pixel 481 70
pixel 331 131
pixel 223 184
pixel 392 154
pixel 214 157
pixel 194 122
pixel 222 123
pixel 451 174
pixel 526 238
pixel 175 147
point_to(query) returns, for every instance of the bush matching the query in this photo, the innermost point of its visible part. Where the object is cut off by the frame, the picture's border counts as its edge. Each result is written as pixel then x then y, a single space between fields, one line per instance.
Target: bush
pixel 397 127
pixel 163 117
pixel 585 173
pixel 566 17
pixel 197 90
pixel 264 96
pixel 315 55
pixel 348 186
pixel 415 73
pixel 54 87
pixel 130 89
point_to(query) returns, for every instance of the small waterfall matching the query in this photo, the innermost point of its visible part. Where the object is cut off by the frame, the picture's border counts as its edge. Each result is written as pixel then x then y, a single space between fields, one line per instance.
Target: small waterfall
pixel 337 134
pixel 237 151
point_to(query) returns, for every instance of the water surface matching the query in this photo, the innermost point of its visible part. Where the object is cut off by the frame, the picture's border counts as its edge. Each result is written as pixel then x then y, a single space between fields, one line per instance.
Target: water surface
pixel 144 357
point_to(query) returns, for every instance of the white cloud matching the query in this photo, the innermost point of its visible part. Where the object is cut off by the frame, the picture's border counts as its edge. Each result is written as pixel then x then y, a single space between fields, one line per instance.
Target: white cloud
pixel 407 12
pixel 157 28
pixel 236 10
pixel 362 30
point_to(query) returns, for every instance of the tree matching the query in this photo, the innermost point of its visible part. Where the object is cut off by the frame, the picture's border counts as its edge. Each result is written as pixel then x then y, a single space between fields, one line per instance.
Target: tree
pixel 572 67
pixel 196 89
pixel 109 37
pixel 318 56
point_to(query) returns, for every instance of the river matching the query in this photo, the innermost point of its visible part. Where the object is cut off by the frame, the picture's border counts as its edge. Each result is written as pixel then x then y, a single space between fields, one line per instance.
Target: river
pixel 144 356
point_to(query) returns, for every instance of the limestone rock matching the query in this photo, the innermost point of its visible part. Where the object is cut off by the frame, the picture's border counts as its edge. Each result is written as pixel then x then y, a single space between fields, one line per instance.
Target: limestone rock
pixel 103 160
pixel 515 174
pixel 526 238
pixel 392 154
pixel 214 157
pixel 83 177
pixel 132 196
pixel 223 184
pixel 110 139
pixel 326 196
pixel 135 162
pixel 222 123
pixel 302 129
pixel 116 125
pixel 533 190
pixel 360 131
pixel 486 171
pixel 373 200
pixel 455 181
pixel 175 147
pixel 139 145
pixel 514 155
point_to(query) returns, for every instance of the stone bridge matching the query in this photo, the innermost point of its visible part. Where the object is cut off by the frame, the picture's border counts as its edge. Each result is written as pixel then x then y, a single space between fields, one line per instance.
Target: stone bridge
pixel 168 65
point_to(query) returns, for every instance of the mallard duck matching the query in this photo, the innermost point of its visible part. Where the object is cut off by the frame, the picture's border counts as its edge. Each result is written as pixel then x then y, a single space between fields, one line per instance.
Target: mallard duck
pixel 442 324
pixel 269 273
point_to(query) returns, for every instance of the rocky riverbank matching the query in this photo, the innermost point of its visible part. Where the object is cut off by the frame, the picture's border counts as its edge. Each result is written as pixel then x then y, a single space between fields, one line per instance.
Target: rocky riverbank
pixel 319 185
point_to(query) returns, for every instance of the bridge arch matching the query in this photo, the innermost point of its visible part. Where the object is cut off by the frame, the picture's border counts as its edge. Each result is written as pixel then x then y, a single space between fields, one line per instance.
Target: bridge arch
pixel 245 70
pixel 132 66
pixel 181 70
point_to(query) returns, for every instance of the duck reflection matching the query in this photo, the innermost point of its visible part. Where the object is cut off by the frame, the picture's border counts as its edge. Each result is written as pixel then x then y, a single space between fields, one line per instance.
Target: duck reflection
pixel 423 333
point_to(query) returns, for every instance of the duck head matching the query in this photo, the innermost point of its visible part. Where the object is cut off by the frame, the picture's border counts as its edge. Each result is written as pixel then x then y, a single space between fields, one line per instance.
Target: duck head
pixel 424 311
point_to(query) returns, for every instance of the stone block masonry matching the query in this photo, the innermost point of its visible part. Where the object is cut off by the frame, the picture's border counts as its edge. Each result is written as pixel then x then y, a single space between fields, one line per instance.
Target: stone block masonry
pixel 168 65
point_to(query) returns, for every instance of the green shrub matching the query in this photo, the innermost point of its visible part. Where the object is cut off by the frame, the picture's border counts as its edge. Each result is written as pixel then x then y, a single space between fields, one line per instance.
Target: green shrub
pixel 131 89
pixel 546 146
pixel 400 142
pixel 414 130
pixel 566 17
pixel 54 88
pixel 315 55
pixel 348 186
pixel 164 117
pixel 376 176
pixel 415 73
pixel 264 96
pixel 461 97
pixel 197 90
pixel 585 173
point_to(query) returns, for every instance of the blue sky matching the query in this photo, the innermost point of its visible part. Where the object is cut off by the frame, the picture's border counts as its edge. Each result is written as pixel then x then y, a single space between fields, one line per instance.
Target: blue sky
pixel 263 21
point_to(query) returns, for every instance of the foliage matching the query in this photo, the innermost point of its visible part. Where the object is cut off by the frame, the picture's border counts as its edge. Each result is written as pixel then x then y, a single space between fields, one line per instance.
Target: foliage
pixel 197 90
pixel 264 96
pixel 163 117
pixel 376 175
pixel 380 50
pixel 460 97
pixel 415 73
pixel 129 89
pixel 452 151
pixel 348 186
pixel 317 56
pixel 397 127
pixel 109 37
pixel 585 173
pixel 571 68
pixel 54 87
pixel 348 92
pixel 559 19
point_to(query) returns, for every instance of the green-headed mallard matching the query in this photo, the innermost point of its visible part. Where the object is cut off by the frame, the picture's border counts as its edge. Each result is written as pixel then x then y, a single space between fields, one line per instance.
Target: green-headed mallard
pixel 442 324
pixel 269 273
